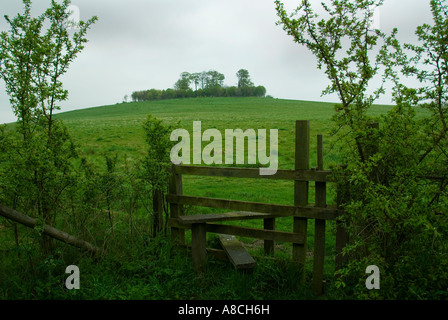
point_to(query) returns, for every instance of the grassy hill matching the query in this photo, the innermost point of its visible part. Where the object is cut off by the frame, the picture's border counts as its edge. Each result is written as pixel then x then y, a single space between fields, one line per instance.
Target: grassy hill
pixel 154 271
pixel 117 128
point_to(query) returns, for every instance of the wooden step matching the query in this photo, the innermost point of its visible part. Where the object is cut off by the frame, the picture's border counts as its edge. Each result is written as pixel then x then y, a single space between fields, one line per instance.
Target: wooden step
pixel 227 216
pixel 237 253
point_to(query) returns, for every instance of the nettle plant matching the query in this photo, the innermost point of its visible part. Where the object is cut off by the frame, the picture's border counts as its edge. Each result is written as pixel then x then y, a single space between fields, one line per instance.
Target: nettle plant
pixel 393 182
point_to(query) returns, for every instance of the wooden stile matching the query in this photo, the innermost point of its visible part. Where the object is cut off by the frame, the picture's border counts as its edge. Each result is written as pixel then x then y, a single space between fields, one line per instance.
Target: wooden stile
pixel 301 211
pixel 227 216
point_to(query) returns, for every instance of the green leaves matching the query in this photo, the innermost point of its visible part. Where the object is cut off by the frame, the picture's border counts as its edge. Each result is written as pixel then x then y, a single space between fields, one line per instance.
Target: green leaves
pixel 33 59
pixel 156 164
pixel 343 43
pixel 244 79
pixel 394 185
pixel 36 166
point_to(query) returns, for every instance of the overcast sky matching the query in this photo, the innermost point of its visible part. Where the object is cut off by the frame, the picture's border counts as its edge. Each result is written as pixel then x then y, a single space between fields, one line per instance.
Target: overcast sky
pixel 144 44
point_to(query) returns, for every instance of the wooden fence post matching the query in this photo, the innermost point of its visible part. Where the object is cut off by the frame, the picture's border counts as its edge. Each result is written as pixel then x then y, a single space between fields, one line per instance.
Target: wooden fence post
pixel 176 210
pixel 302 141
pixel 319 226
pixel 199 245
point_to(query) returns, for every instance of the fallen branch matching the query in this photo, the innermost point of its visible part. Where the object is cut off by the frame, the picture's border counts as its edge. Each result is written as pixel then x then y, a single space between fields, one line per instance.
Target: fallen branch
pixel 48 230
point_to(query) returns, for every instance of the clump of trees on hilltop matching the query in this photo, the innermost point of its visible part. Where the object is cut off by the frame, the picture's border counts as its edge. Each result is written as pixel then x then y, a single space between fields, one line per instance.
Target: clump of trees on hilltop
pixel 205 84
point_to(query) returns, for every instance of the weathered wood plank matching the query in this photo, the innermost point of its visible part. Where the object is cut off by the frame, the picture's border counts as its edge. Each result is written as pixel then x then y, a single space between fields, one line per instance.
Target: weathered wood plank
pixel 281 174
pixel 198 246
pixel 176 210
pixel 311 212
pixel 237 253
pixel 227 216
pixel 273 235
pixel 174 223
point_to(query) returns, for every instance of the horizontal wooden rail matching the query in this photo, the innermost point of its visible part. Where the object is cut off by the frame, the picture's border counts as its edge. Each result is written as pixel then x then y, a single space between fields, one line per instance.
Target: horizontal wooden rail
pixel 219 217
pixel 311 212
pixel 298 175
pixel 256 233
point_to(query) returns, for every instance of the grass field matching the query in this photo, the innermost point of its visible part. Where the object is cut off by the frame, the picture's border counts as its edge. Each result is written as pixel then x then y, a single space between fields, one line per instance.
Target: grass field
pixel 117 130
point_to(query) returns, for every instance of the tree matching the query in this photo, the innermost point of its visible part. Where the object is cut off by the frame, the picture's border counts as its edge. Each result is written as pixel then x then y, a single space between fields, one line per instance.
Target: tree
pixel 34 54
pixel 184 82
pixel 432 54
pixel 259 91
pixel 214 79
pixel 155 167
pixel 342 44
pixel 244 78
pixel 195 78
pixel 203 78
pixel 393 184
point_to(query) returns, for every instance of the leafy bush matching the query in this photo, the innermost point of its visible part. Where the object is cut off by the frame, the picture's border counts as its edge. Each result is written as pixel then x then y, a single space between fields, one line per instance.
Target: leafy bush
pixel 394 185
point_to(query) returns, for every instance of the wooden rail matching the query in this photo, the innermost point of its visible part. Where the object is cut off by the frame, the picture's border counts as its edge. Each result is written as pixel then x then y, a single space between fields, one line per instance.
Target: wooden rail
pixel 256 233
pixel 309 212
pixel 254 173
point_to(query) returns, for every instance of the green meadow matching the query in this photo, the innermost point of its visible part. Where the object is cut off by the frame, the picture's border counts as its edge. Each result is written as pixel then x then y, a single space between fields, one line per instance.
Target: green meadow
pixel 158 271
pixel 117 130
